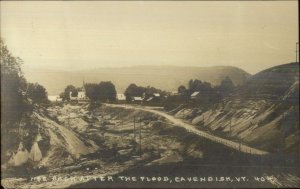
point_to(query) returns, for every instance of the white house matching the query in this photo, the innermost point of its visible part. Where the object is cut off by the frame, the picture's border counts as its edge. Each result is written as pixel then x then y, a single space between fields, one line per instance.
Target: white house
pixel 81 95
pixel 121 97
pixel 72 97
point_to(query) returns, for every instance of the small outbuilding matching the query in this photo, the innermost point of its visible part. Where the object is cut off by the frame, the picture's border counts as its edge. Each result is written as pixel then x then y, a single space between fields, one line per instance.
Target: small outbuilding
pixel 156 95
pixel 195 95
pixel 137 99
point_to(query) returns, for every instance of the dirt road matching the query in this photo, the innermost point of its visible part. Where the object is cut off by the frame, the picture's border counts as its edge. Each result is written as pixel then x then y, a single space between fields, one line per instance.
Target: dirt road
pixel 191 128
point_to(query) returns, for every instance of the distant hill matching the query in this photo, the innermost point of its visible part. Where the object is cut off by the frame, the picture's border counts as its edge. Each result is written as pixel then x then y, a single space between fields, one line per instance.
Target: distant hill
pixel 163 77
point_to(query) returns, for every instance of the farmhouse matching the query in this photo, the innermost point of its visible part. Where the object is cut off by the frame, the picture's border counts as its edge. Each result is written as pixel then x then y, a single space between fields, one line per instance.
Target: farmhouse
pixel 121 97
pixel 81 95
pixel 137 98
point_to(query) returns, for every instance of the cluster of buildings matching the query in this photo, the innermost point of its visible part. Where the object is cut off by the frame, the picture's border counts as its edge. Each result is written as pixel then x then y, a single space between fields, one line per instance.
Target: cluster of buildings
pixel 149 98
pixel 155 97
pixel 81 96
pixel 194 96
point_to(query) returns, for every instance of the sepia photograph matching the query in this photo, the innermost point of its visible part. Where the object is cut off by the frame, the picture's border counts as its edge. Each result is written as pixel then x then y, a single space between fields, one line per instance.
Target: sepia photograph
pixel 149 94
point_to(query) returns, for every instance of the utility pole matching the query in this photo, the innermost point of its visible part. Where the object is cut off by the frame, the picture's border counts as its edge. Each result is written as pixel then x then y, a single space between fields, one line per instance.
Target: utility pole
pixel 68 119
pixel 240 149
pixel 297 44
pixel 118 118
pixel 134 128
pixel 230 127
pixel 140 138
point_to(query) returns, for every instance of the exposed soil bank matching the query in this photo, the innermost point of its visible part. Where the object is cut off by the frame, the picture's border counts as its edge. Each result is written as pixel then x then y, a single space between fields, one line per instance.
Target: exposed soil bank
pixel 134 142
pixel 202 157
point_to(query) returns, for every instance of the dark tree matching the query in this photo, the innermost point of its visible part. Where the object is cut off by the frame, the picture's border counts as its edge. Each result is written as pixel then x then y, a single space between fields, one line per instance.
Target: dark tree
pixel 227 83
pixel 107 91
pixel 183 92
pixel 181 89
pixel 37 93
pixel 226 87
pixel 92 91
pixel 197 85
pixel 207 94
pixel 151 90
pixel 104 91
pixel 74 93
pixel 134 90
pixel 13 87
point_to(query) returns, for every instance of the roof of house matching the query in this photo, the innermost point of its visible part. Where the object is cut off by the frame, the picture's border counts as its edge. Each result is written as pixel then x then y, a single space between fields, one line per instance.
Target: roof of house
pixel 149 99
pixel 156 94
pixel 138 98
pixel 195 94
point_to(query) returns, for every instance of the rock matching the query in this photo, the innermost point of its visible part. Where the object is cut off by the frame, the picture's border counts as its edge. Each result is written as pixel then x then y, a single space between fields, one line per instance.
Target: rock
pixel 35 152
pixel 21 156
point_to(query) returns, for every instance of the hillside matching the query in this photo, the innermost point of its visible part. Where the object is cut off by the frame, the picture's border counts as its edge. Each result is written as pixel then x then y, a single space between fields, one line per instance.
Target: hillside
pixel 164 77
pixel 263 113
pixel 271 83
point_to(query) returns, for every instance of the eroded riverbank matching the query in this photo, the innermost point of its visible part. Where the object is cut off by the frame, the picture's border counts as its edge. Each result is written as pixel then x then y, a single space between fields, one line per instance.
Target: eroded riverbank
pixel 131 142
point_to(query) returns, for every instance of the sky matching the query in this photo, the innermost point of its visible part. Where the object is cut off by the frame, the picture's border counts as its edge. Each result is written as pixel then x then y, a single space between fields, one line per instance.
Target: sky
pixel 252 35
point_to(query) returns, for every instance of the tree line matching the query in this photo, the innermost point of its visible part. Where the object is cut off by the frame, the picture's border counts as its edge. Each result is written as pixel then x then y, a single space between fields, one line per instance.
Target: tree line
pixel 17 95
pixel 104 91
pixel 207 95
pixel 138 91
pixel 220 91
